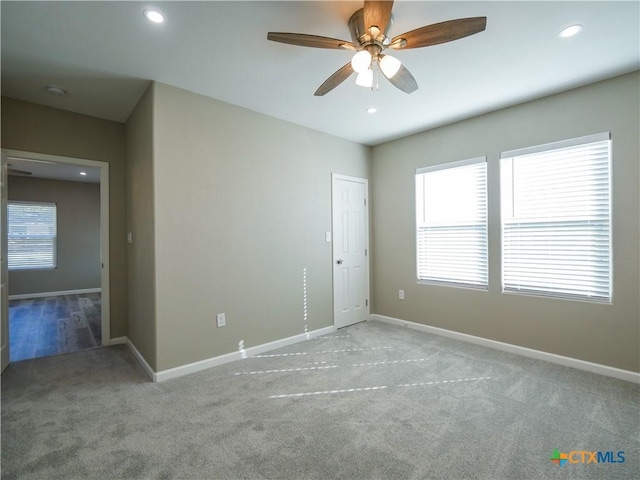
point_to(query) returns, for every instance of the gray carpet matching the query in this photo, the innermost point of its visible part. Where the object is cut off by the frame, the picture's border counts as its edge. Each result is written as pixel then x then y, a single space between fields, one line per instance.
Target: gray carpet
pixel 371 401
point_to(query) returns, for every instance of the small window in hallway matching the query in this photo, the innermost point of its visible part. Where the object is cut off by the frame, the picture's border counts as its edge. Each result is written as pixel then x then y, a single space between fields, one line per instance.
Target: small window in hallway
pixel 31 235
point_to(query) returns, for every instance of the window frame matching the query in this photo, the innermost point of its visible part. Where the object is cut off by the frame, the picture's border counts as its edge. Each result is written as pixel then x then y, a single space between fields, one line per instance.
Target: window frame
pixel 550 147
pixel 54 237
pixel 477 286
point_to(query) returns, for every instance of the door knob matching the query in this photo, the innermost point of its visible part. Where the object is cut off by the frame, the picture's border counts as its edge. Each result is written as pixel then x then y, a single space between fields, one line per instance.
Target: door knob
pixel 339 262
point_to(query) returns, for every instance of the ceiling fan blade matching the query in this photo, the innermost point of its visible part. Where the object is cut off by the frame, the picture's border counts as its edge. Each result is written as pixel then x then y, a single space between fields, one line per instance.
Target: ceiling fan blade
pixel 439 33
pixel 14 171
pixel 334 80
pixel 377 14
pixel 305 40
pixel 404 80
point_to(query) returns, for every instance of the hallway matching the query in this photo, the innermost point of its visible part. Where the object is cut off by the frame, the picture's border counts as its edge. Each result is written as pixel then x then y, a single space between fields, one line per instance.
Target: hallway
pixel 40 327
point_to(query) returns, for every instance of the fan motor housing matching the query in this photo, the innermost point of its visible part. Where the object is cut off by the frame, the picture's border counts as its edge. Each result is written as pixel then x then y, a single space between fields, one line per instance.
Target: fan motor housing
pixel 359 34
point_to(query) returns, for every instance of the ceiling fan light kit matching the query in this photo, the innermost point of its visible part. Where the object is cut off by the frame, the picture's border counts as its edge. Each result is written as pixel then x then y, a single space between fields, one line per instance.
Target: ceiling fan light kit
pixel 389 65
pixel 361 61
pixel 369 28
pixel 365 79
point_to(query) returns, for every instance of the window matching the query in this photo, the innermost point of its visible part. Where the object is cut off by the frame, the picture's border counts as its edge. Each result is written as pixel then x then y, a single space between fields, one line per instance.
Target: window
pixel 556 219
pixel 31 235
pixel 451 223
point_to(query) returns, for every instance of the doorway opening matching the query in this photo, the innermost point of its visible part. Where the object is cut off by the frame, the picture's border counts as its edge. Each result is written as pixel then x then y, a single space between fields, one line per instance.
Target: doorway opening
pixel 56 277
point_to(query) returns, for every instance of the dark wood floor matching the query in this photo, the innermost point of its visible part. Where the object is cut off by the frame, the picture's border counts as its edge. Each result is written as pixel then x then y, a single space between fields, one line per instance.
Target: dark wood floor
pixel 39 327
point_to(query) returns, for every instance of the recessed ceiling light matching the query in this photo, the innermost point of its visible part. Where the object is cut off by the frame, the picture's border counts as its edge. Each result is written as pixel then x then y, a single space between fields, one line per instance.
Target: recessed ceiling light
pixel 154 16
pixel 83 174
pixel 372 110
pixel 570 31
pixel 56 91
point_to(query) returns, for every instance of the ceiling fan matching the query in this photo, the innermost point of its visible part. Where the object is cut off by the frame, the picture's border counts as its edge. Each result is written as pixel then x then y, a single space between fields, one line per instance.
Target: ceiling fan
pixel 15 171
pixel 369 29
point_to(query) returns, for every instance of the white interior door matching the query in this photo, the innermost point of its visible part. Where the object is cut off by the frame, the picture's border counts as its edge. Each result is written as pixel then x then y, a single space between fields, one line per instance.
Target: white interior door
pixel 350 250
pixel 4 295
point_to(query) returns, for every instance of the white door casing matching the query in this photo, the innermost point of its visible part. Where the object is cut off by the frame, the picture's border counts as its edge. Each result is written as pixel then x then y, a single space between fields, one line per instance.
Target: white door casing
pixel 104 233
pixel 350 226
pixel 4 273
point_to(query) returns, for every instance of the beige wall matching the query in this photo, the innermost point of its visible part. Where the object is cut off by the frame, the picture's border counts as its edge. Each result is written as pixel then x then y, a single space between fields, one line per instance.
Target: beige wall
pixel 227 207
pixel 35 128
pixel 78 235
pixel 242 204
pixel 140 215
pixel 605 334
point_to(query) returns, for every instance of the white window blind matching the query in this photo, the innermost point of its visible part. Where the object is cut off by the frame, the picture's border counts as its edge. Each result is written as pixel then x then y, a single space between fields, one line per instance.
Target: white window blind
pixel 451 223
pixel 31 235
pixel 556 219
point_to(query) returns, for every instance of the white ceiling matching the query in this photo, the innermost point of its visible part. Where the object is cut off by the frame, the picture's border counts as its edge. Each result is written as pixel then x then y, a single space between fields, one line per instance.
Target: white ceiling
pixel 104 54
pixel 54 171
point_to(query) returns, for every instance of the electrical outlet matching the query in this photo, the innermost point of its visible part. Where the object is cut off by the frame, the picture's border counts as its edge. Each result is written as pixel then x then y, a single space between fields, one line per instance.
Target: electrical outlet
pixel 401 294
pixel 221 320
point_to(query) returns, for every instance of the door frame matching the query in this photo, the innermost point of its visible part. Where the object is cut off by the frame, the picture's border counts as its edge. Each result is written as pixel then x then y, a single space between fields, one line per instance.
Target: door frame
pixel 365 182
pixel 105 320
pixel 4 294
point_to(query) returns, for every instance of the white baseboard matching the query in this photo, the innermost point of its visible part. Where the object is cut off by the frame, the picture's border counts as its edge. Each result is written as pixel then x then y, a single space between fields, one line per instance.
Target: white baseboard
pixel 233 356
pixel 82 291
pixel 618 373
pixel 138 356
pixel 219 360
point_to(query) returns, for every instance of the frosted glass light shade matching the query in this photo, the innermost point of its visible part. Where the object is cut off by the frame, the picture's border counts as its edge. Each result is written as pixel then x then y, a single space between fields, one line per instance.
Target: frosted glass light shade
pixel 389 65
pixel 365 79
pixel 361 61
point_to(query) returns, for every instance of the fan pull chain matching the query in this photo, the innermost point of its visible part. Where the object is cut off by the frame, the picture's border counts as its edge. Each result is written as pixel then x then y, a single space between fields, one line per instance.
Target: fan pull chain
pixel 375 78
